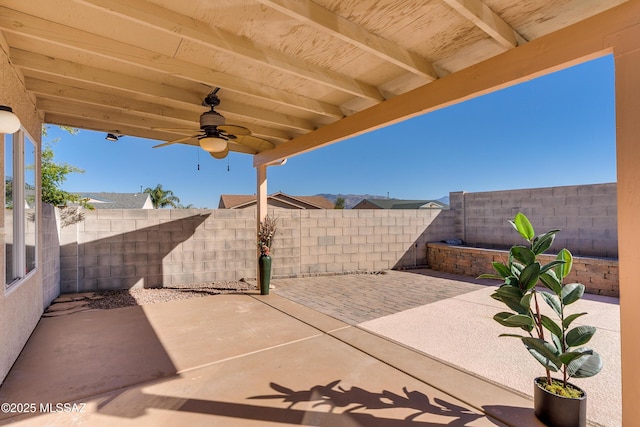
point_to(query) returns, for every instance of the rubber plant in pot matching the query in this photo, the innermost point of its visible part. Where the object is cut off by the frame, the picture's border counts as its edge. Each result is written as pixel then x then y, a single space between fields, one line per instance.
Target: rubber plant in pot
pixel 556 344
pixel 266 231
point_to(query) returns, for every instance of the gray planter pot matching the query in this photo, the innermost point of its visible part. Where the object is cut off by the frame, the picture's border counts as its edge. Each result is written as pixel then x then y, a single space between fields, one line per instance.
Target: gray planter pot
pixel 558 411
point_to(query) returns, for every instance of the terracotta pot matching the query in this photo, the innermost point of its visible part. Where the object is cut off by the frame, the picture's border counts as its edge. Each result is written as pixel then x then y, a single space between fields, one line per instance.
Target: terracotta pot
pixel 558 411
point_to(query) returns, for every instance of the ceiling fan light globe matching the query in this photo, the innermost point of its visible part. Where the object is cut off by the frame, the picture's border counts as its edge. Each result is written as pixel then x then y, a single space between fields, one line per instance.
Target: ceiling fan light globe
pixel 9 122
pixel 213 144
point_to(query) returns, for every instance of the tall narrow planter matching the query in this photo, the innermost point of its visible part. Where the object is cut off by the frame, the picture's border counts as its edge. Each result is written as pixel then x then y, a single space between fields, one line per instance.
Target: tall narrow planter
pixel 264 263
pixel 558 411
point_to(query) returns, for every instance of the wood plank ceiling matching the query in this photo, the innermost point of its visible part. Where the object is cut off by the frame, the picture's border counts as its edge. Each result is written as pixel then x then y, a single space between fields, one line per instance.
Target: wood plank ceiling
pixel 284 67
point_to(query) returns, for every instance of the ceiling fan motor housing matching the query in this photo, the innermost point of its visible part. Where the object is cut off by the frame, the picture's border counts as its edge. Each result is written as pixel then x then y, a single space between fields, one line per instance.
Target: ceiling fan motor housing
pixel 211 119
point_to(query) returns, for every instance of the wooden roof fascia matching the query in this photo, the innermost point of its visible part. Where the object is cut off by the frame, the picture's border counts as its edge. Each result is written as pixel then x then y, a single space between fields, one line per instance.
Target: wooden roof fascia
pixel 488 21
pixel 569 46
pixel 159 18
pixel 325 20
pixel 52 32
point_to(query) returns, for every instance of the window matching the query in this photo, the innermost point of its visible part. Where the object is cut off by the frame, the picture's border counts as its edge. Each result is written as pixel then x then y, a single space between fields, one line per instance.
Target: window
pixel 21 207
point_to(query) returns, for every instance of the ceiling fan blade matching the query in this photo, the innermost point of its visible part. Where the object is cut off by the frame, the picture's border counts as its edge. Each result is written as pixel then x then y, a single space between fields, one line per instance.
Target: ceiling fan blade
pixel 176 141
pixel 234 130
pixel 254 142
pixel 221 154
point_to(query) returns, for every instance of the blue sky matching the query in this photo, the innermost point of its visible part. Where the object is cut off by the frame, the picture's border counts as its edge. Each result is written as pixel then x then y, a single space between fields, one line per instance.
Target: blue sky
pixel 555 130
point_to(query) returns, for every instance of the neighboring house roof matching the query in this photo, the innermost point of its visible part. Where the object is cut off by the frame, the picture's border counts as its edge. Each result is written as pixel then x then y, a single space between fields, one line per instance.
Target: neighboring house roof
pixel 281 200
pixel 118 200
pixel 400 204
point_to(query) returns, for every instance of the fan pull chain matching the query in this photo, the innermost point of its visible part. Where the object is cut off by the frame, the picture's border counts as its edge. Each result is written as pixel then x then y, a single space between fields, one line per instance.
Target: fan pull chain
pixel 198 158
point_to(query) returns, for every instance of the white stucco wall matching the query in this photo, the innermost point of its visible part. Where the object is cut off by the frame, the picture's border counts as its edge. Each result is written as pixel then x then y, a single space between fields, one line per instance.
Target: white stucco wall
pixel 22 306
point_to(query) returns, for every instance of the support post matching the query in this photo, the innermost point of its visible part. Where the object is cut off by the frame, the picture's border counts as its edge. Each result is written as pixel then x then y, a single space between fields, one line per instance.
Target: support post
pixel 261 207
pixel 627 63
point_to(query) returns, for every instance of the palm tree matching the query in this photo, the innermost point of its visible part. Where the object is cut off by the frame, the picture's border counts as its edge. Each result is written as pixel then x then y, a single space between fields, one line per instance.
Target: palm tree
pixel 162 198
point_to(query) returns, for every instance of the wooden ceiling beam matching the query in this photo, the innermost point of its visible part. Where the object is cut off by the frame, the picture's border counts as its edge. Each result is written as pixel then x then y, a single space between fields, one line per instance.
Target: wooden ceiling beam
pixel 97 125
pixel 57 88
pixel 52 32
pixel 159 18
pixel 48 65
pixel 326 21
pixel 488 21
pixel 118 118
pixel 569 46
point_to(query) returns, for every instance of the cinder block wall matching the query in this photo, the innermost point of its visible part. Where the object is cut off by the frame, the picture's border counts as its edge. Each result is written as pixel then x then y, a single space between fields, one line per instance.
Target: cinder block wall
pixel 586 214
pixel 113 249
pixel 50 254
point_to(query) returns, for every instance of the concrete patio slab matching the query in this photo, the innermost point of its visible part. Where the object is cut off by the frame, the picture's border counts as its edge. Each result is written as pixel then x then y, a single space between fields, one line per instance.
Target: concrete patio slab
pixel 450 318
pixel 238 360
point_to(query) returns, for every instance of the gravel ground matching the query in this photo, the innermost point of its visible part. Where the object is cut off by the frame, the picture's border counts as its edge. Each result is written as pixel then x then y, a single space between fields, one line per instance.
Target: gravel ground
pixel 141 296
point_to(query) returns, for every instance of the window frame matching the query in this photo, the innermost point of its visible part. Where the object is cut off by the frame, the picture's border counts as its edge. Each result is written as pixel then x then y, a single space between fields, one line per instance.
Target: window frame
pixel 19 141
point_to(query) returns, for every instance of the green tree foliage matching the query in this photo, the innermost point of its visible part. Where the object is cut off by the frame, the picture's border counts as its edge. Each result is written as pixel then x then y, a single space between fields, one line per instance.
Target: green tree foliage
pixel 72 131
pixel 339 203
pixel 53 175
pixel 161 198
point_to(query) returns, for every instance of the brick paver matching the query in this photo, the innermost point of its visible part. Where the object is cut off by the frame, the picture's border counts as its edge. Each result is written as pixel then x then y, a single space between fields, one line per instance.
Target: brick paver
pixel 357 298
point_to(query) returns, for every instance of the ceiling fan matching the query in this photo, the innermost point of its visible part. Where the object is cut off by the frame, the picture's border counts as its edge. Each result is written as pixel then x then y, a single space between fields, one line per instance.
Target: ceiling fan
pixel 215 136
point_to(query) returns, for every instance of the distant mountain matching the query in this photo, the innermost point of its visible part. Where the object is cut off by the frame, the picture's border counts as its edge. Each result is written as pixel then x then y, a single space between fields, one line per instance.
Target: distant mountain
pixel 444 199
pixel 350 200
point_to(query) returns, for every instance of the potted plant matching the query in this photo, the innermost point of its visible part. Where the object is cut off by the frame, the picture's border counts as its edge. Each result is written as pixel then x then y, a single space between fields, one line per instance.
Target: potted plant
pixel 557 345
pixel 266 231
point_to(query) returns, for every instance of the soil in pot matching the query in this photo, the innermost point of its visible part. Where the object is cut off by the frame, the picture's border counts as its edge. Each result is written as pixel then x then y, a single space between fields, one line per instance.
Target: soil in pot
pixel 559 411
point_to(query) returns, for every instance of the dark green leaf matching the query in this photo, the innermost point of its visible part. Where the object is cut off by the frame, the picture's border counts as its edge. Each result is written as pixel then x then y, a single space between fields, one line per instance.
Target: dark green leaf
pixel 502 317
pixel 580 335
pixel 510 296
pixel 563 270
pixel 518 320
pixel 543 352
pixel 523 254
pixel 552 301
pixel 509 291
pixel 572 292
pixel 551 281
pixel 523 226
pixel 567 321
pixel 585 366
pixel 551 326
pixel 525 302
pixel 490 276
pixel 502 269
pixel 550 265
pixel 511 335
pixel 543 242
pixel 571 355
pixel 530 275
pixel 557 342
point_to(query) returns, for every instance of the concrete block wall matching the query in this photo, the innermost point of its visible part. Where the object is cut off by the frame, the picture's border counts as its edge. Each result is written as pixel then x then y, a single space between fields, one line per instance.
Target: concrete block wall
pixel 585 214
pixel 50 254
pixel 114 249
pixel 599 275
pixel 338 241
